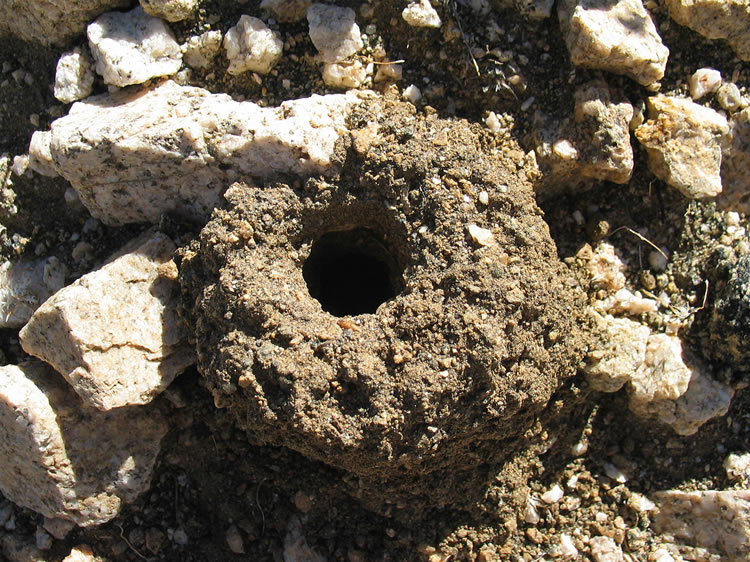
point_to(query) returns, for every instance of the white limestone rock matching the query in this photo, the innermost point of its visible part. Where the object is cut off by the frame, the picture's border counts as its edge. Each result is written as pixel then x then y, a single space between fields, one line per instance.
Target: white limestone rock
pixel 683 141
pixel 704 81
pixel 52 22
pixel 735 164
pixel 344 76
pixel 421 14
pixel 170 10
pixel 132 156
pixel 620 352
pixel 677 393
pixel 287 10
pixel 716 19
pixel 199 51
pixel 604 266
pixel 617 36
pixel 64 460
pixel 26 284
pixel 252 46
pixel 40 157
pixel 592 146
pixel 730 98
pixel 74 76
pixel 333 32
pixel 114 334
pixel 625 301
pixel 132 47
pixel 718 520
pixel 737 466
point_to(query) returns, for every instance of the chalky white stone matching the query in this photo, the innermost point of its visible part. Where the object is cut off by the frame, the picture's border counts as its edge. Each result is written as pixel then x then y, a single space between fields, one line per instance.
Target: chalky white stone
pixel 252 46
pixel 333 32
pixel 64 460
pixel 132 47
pixel 421 14
pixel 114 334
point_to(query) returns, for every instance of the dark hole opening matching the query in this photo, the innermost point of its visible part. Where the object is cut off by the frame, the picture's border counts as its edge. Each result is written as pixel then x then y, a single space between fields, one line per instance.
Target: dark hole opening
pixel 351 272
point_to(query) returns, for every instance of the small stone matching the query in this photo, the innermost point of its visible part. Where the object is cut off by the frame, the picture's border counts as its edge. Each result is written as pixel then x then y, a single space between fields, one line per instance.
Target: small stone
pixel 252 46
pixel 20 164
pixel 640 503
pixel 484 198
pixel 480 235
pixel 344 75
pixel 40 157
pixel 74 76
pixel 334 32
pixel 295 543
pixel 717 520
pixel 553 495
pixel 132 47
pixel 58 528
pixel 579 449
pixel 658 261
pixel 567 548
pixel 200 50
pixel 703 82
pixel 735 163
pixel 613 472
pixel 25 285
pixel 681 396
pixel 619 37
pixel 81 553
pixel 234 540
pixel 303 502
pixel 179 537
pixel 114 334
pixel 170 10
pixel 67 461
pixel 421 14
pixel 389 72
pixel 683 141
pixel 530 513
pixel 737 466
pixel 605 267
pixel 155 539
pixel 729 97
pixel 605 549
pixel 622 349
pixel 412 94
pixel 716 19
pixel 287 10
pixel 625 301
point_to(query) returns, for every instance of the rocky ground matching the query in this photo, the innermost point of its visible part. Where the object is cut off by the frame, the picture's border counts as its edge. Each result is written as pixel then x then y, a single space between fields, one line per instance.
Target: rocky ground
pixel 559 369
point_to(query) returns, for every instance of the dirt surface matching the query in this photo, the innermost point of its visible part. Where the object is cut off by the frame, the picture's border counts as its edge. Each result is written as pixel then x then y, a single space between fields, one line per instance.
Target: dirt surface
pixel 244 471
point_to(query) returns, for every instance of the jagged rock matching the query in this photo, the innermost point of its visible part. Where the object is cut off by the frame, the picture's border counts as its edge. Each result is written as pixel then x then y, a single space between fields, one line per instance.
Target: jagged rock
pixel 735 164
pixel 716 19
pixel 51 22
pixel 683 141
pixel 67 461
pixel 132 156
pixel 200 50
pixel 605 549
pixel 114 334
pixel 286 10
pixel 617 36
pixel 622 350
pixel 421 14
pixel 252 46
pixel 677 393
pixel 604 266
pixel 132 47
pixel 74 77
pixel 25 285
pixel 333 32
pixel 712 519
pixel 593 146
pixel 170 10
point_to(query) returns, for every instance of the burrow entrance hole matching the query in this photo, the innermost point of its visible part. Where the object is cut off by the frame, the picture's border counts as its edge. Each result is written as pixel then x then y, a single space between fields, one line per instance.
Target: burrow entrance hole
pixel 352 272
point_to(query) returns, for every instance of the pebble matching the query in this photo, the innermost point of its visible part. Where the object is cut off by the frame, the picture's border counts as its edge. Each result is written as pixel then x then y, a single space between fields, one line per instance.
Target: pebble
pixel 81 553
pixel 553 495
pixel 344 76
pixel 729 97
pixel 480 235
pixel 234 540
pixel 170 10
pixel 42 539
pixel 605 549
pixel 412 93
pixel 333 32
pixel 615 473
pixel 737 466
pixel 200 50
pixel 421 14
pixel 567 548
pixel 703 82
pixel 252 46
